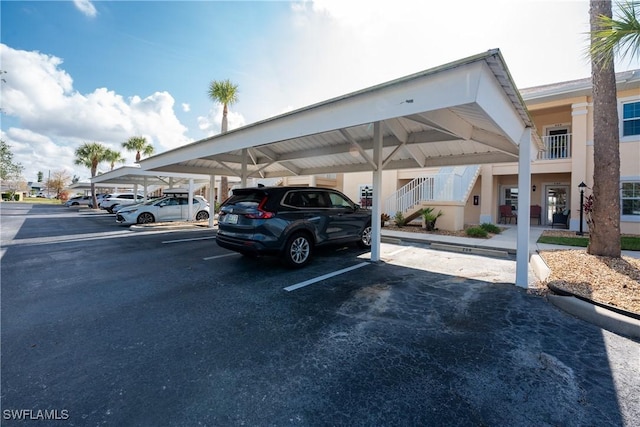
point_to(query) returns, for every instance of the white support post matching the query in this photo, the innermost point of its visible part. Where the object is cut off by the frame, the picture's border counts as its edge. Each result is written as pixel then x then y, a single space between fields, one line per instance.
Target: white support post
pixel 377 192
pixel 524 204
pixel 243 177
pixel 190 204
pixel 212 199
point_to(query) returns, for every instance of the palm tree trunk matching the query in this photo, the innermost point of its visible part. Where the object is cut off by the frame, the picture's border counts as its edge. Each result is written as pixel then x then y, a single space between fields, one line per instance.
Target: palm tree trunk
pixel 225 112
pixel 137 156
pixel 605 229
pixel 94 199
pixel 224 182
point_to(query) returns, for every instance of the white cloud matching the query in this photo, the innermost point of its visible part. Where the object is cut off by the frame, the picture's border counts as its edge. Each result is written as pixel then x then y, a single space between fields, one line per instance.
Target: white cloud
pixel 38 153
pixel 380 40
pixel 86 7
pixel 211 124
pixel 39 95
pixel 186 107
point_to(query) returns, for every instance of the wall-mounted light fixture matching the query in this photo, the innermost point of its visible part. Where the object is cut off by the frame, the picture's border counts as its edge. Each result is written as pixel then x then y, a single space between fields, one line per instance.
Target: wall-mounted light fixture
pixel 534 187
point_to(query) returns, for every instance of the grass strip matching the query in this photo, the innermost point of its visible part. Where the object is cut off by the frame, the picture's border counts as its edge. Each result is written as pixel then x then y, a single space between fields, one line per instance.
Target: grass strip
pixel 628 243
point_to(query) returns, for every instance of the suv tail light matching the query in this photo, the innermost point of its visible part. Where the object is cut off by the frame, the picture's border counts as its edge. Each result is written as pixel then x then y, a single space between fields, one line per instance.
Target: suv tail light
pixel 261 214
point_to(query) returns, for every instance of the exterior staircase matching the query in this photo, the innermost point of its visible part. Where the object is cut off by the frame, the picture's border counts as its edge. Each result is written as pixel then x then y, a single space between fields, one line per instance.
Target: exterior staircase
pixel 449 184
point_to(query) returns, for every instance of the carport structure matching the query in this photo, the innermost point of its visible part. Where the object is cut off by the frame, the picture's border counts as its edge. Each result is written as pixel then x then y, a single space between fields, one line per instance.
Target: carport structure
pixel 465 112
pixel 135 176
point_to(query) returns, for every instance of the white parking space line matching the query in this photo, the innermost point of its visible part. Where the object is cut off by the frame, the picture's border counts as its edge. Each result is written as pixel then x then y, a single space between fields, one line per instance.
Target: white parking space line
pixel 325 276
pixel 188 240
pixel 220 256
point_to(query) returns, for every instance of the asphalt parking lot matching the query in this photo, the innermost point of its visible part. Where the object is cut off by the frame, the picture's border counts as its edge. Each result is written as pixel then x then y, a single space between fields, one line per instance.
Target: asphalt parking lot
pixel 102 325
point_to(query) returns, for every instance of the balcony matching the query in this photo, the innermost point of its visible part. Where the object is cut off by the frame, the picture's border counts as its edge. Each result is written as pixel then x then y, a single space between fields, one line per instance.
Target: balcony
pixel 556 147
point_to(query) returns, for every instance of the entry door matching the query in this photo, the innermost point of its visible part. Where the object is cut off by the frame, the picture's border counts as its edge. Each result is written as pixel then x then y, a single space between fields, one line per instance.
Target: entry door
pixel 557 201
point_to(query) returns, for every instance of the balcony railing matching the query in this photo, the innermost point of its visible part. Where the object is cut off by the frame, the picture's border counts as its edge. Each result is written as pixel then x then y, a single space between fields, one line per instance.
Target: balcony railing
pixel 556 147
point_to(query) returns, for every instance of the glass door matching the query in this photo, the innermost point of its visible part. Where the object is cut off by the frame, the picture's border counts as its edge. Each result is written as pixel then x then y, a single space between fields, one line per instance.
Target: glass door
pixel 556 201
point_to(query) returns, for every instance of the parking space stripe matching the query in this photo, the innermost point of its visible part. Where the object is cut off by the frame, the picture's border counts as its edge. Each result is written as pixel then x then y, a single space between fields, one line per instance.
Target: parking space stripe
pixel 220 256
pixel 325 276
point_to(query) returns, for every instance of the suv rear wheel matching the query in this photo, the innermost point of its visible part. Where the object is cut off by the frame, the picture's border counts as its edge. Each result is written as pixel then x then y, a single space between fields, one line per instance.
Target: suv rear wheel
pixel 297 251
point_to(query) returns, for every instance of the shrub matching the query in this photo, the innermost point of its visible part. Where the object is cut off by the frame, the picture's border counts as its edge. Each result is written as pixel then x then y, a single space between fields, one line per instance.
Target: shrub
pixel 430 218
pixel 490 228
pixel 399 219
pixel 476 232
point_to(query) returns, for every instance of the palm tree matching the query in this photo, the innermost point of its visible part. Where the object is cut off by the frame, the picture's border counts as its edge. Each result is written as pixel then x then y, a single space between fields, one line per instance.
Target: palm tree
pixel 90 154
pixel 112 157
pixel 226 93
pixel 138 144
pixel 608 37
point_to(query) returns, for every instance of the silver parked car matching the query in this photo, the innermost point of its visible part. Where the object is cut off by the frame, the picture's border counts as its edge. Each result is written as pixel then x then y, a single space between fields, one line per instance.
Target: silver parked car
pixel 78 201
pixel 169 208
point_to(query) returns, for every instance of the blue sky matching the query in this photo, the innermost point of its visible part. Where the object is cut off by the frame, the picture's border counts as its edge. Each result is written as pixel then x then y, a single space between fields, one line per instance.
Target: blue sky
pixel 81 71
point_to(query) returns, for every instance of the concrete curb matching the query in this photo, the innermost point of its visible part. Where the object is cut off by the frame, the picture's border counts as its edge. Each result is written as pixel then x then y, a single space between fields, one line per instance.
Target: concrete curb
pixel 539 267
pixel 177 226
pixel 599 316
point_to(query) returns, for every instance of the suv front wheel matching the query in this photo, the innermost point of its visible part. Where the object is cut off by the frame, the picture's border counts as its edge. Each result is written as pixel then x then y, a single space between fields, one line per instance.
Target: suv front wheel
pixel 297 251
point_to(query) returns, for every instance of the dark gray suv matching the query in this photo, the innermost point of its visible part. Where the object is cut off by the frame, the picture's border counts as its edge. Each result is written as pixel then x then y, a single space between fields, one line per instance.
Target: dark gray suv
pixel 290 222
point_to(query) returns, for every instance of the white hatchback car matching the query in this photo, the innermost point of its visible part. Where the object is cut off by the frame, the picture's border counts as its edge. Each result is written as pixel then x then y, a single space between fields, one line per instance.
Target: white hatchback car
pixel 112 202
pixel 170 208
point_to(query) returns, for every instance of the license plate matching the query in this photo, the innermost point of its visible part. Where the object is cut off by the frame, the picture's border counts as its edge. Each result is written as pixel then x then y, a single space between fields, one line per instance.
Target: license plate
pixel 230 219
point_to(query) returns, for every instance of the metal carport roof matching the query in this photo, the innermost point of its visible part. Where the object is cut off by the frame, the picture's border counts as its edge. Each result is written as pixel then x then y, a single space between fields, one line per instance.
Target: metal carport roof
pixel 465 112
pixel 133 175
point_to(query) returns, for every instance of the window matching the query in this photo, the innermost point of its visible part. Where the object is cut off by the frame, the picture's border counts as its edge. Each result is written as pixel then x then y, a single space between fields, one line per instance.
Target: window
pixel 511 197
pixel 337 201
pixel 366 195
pixel 631 118
pixel 306 199
pixel 630 198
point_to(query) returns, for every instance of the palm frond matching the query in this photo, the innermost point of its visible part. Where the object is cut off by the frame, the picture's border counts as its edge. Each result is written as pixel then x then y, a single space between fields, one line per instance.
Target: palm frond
pixel 618 36
pixel 223 91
